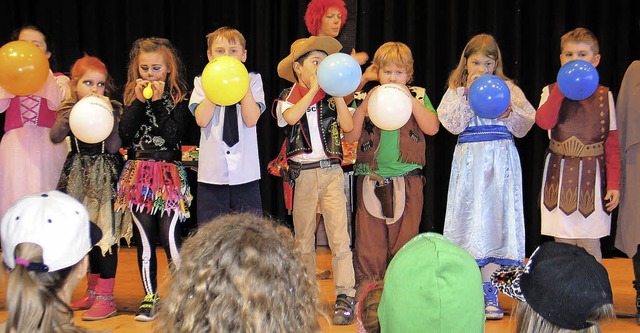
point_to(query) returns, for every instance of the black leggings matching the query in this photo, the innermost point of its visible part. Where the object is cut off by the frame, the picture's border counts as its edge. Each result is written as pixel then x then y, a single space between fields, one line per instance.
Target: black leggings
pixel 148 231
pixel 104 265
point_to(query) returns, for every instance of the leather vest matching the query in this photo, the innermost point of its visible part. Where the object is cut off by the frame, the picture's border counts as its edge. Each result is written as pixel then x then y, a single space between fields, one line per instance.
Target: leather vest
pixel 411 143
pixel 577 138
pixel 299 138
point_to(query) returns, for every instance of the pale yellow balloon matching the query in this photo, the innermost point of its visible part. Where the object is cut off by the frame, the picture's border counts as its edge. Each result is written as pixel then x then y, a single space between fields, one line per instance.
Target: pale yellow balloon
pixel 147 92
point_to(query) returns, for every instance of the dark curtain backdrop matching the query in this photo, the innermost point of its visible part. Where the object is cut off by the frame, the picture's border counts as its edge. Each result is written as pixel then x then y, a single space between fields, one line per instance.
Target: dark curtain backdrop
pixel 528 33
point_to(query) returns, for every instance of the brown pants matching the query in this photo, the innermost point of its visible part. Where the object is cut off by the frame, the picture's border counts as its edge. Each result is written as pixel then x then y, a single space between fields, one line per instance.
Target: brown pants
pixel 376 242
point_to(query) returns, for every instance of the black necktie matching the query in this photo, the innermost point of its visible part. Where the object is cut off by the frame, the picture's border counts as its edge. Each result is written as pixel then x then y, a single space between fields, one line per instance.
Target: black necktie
pixel 230 128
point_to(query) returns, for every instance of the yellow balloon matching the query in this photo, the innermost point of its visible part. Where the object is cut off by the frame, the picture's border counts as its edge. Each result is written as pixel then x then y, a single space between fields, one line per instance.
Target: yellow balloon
pixel 147 92
pixel 225 80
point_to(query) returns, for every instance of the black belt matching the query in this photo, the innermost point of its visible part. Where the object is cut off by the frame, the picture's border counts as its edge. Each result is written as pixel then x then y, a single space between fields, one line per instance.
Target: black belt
pixel 87 149
pixel 158 155
pixel 322 164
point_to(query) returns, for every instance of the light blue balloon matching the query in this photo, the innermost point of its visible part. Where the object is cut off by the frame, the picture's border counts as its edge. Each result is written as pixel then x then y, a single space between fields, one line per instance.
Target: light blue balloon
pixel 489 96
pixel 578 79
pixel 339 74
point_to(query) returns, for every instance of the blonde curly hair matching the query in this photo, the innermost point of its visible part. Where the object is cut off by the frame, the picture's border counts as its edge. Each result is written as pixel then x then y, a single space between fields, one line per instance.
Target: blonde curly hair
pixel 241 273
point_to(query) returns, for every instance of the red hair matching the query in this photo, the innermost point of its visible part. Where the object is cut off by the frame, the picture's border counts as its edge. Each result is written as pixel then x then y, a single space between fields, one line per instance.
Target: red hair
pixel 316 10
pixel 86 64
pixel 89 63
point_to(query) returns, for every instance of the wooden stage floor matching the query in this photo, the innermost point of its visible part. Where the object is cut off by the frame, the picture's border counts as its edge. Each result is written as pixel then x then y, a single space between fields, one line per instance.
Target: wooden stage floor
pixel 129 293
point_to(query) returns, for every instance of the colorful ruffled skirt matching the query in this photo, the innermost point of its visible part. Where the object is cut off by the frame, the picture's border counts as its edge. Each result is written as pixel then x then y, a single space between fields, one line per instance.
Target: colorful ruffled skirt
pixel 92 179
pixel 153 187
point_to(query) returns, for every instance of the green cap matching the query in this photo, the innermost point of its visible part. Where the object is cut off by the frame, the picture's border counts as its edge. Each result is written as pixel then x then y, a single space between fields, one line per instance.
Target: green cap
pixel 432 285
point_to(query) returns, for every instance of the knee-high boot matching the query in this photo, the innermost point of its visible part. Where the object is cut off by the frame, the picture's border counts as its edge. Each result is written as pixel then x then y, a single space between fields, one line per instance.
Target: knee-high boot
pixel 104 305
pixel 89 297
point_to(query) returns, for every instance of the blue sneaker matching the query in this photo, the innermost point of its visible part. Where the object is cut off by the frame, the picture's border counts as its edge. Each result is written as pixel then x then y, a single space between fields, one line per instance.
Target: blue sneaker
pixel 492 309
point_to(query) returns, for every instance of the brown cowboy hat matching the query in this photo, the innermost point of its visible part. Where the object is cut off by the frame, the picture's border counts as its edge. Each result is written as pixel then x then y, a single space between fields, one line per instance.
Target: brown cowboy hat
pixel 303 46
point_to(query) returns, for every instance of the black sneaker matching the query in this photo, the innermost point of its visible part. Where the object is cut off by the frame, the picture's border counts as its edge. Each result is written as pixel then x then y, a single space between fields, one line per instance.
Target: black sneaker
pixel 148 310
pixel 343 313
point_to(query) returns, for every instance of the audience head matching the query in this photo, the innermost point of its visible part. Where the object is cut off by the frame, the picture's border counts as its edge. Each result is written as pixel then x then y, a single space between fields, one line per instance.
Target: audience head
pixel 241 273
pixel 561 289
pixel 432 284
pixel 45 239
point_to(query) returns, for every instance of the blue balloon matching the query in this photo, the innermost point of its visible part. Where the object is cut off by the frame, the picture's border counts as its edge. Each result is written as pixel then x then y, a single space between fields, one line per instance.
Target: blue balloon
pixel 339 74
pixel 578 79
pixel 489 96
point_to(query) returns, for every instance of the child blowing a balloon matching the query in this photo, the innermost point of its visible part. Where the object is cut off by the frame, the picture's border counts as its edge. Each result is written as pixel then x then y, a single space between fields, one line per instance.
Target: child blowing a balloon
pixel 484 205
pixel 228 168
pixel 312 121
pixel 389 163
pixel 581 179
pixel 153 185
pixel 29 161
pixel 90 174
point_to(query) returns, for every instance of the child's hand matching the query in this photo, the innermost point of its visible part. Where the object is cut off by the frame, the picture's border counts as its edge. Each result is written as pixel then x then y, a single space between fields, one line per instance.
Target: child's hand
pixel 140 85
pixel 506 113
pixel 360 57
pixel 158 89
pixel 470 80
pixel 370 74
pixel 613 199
pixel 364 106
pixel 313 82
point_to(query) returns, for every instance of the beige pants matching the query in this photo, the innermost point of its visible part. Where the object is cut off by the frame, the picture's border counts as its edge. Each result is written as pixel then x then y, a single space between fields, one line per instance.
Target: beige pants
pixel 324 187
pixel 592 246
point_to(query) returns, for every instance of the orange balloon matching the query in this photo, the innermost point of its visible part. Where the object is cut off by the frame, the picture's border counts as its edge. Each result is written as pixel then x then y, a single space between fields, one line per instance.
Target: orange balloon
pixel 23 68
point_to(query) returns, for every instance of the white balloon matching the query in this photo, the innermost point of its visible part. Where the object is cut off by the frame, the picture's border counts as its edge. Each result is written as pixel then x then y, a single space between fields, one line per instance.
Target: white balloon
pixel 389 107
pixel 91 119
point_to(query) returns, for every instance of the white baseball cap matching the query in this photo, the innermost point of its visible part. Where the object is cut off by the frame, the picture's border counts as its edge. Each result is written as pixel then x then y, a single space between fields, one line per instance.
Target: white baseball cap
pixel 55 221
